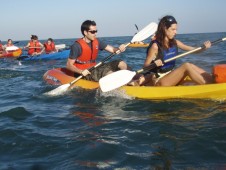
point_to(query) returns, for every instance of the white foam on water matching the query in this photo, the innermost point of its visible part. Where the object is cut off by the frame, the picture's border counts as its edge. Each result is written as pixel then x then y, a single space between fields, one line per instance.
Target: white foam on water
pixel 115 93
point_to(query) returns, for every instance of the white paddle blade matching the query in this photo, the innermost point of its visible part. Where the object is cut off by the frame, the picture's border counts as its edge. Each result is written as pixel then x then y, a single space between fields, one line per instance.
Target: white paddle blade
pixel 116 80
pixel 58 91
pixel 145 32
pixel 60 46
pixel 11 48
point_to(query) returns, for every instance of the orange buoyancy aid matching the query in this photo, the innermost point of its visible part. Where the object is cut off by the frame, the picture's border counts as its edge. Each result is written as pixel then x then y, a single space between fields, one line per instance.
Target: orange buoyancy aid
pixel 89 55
pixel 1 48
pixel 49 47
pixel 32 50
pixel 219 73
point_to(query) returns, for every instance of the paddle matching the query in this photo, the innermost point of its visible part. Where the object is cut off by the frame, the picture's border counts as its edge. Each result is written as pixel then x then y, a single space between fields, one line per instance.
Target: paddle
pixel 122 77
pixel 136 27
pixel 11 48
pixel 60 46
pixel 16 42
pixel 138 30
pixel 32 48
pixel 141 35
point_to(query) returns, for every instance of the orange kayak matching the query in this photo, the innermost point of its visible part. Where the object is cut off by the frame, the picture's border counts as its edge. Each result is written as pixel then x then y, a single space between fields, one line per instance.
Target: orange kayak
pixel 60 76
pixel 13 53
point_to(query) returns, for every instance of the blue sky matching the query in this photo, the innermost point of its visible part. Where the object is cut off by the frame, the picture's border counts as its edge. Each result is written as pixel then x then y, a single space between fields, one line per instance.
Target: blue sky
pixel 60 19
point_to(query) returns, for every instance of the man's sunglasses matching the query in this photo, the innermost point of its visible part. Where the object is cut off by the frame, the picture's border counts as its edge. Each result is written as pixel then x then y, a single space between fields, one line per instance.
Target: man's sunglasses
pixel 92 31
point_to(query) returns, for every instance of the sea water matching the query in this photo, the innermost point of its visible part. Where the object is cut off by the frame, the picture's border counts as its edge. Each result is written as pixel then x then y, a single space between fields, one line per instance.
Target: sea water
pixel 85 129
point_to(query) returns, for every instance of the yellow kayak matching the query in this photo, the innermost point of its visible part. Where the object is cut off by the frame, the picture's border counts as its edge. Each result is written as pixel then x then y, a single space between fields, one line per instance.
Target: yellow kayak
pixel 60 76
pixel 137 45
pixel 211 91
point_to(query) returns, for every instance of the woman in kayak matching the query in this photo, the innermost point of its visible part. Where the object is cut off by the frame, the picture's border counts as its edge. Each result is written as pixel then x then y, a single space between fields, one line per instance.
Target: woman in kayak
pixel 9 43
pixel 49 46
pixel 84 52
pixel 164 47
pixel 34 46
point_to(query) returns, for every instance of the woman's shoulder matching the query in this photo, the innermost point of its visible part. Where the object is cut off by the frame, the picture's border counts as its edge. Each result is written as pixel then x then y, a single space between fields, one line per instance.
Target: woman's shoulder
pixel 155 46
pixel 178 42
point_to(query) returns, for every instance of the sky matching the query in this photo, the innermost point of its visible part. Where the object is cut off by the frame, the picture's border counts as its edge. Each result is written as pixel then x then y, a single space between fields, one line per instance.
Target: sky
pixel 62 19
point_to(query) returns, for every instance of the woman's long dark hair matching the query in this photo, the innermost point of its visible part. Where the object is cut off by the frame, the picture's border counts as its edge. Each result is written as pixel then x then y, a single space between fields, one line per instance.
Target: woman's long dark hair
pixel 165 23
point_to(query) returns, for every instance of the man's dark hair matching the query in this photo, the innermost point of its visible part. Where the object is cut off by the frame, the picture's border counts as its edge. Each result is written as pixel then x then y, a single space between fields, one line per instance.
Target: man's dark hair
pixel 86 24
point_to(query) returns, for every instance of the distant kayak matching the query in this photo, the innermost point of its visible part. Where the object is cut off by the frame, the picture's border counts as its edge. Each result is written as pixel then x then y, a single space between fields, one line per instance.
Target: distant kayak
pixel 11 53
pixel 52 56
pixel 137 45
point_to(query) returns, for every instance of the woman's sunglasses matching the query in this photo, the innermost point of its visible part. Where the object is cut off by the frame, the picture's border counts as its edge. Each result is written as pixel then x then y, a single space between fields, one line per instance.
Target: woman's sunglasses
pixel 171 19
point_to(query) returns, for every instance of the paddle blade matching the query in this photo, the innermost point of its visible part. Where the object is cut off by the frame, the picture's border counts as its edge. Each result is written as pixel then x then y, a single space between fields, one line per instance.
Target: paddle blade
pixel 11 48
pixel 58 91
pixel 60 46
pixel 116 80
pixel 145 32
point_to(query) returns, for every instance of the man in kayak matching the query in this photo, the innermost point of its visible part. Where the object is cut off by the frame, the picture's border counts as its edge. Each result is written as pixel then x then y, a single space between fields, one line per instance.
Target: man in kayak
pixel 84 53
pixel 164 47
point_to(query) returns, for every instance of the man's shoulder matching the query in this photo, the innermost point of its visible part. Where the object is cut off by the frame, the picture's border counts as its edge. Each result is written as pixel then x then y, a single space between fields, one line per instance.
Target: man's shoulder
pixel 75 45
pixel 102 44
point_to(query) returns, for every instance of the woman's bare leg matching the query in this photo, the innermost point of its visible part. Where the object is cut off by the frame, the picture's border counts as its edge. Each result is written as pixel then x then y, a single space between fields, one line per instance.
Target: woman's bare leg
pixel 197 74
pixel 207 76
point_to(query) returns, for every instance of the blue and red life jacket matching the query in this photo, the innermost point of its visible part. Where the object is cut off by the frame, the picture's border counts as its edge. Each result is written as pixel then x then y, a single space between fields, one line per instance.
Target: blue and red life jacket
pixel 165 54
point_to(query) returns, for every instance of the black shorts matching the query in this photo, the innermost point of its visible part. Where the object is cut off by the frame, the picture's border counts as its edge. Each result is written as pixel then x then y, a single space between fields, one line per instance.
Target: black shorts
pixel 102 70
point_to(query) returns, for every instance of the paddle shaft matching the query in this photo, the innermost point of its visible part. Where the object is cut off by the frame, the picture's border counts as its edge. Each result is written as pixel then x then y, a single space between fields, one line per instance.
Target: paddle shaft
pixel 153 65
pixel 136 27
pixel 16 42
pixel 33 47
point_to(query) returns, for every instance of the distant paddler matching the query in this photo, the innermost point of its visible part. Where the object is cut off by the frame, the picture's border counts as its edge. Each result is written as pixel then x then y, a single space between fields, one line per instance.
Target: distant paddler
pixel 1 48
pixel 49 47
pixel 34 46
pixel 9 46
pixel 9 43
